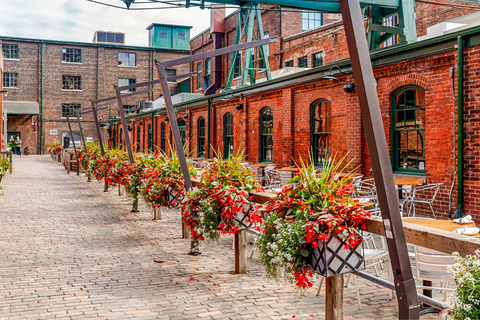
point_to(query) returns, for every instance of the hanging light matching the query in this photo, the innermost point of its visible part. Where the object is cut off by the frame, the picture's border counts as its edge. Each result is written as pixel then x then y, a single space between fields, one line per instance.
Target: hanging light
pixel 330 75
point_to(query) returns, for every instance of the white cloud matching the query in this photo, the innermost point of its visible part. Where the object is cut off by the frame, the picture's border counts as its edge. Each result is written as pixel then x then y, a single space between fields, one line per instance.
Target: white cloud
pixel 77 20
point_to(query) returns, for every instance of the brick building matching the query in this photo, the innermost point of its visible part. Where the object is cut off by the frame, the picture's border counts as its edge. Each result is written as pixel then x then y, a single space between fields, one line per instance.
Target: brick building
pixel 47 80
pixel 278 121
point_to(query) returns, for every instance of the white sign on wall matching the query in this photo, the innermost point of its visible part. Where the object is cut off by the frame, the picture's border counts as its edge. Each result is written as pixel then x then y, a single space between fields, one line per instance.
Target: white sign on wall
pixel 53 132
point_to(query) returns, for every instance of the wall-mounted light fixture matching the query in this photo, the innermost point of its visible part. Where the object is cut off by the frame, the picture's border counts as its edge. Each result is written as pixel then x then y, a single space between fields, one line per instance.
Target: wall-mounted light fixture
pixel 349 87
pixel 129 127
pixel 166 119
pixel 185 116
pixel 239 106
pixel 140 123
pixel 330 75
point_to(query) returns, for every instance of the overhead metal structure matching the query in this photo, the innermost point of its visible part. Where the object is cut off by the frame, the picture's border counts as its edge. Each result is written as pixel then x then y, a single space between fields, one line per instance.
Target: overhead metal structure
pixel 353 12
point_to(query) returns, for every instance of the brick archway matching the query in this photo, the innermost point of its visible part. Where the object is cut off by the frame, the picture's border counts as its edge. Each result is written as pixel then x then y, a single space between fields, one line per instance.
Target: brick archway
pixel 406 80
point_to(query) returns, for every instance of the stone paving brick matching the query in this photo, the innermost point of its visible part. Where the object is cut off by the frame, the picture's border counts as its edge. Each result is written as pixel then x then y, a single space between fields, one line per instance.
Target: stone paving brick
pixel 68 250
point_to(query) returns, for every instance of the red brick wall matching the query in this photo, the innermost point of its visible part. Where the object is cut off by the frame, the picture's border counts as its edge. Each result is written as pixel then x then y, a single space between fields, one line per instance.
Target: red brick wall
pixel 291 114
pixel 428 14
pixel 99 72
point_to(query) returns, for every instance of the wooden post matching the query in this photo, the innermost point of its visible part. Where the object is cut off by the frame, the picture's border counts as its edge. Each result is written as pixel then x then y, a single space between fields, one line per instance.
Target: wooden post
pixel 334 298
pixel 120 192
pixel 241 252
pixel 11 162
pixel 157 213
pixel 68 162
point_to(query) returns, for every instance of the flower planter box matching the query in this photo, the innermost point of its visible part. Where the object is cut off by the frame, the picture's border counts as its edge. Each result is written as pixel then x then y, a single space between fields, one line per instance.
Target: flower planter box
pixel 331 258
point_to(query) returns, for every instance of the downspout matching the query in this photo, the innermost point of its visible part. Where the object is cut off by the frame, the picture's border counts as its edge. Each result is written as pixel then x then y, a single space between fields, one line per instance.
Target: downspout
pixel 152 149
pixel 209 102
pixel 217 28
pixel 153 73
pixel 460 134
pixel 41 97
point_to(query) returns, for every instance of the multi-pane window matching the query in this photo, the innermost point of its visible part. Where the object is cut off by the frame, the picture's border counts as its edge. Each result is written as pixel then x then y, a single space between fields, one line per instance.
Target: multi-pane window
pixel 391 21
pixel 199 75
pixel 150 138
pixel 208 73
pixel 162 137
pixel 228 135
pixel 10 80
pixel 303 62
pixel 408 129
pixel 289 63
pixel 10 51
pixel 171 72
pixel 321 127
pixel 128 109
pixel 68 109
pixel 311 19
pixel 237 67
pixel 183 130
pixel 139 134
pixel 71 83
pixel 181 34
pixel 127 82
pixel 266 134
pixel 72 55
pixel 127 59
pixel 163 33
pixel 201 137
pixel 317 59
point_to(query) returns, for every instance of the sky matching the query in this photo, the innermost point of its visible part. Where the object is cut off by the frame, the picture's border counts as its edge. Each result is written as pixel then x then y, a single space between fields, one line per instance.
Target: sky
pixel 77 20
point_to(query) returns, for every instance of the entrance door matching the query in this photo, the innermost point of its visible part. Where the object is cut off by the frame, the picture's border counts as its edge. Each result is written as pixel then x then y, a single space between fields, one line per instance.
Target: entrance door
pixel 11 137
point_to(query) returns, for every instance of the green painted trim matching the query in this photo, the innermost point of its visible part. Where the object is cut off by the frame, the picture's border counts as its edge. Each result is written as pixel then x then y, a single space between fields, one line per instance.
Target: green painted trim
pixel 168 25
pixel 87 44
pixel 209 126
pixel 393 138
pixel 41 97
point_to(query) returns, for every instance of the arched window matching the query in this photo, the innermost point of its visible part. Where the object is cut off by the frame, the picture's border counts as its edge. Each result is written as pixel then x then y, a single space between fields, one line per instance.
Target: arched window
pixel 408 130
pixel 201 137
pixel 228 135
pixel 182 129
pixel 138 138
pixel 162 136
pixel 150 138
pixel 266 134
pixel 321 130
pixel 120 141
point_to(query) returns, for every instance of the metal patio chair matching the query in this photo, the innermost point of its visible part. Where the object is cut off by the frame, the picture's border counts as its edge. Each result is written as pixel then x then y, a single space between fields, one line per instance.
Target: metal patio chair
pixel 431 265
pixel 423 194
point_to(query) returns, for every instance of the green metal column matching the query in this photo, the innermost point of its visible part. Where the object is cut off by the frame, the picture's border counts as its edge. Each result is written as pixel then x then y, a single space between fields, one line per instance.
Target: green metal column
pixel 41 98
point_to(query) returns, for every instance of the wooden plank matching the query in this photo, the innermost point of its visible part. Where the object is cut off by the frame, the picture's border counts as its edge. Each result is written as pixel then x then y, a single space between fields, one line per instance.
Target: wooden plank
pixel 334 298
pixel 432 238
pixel 241 252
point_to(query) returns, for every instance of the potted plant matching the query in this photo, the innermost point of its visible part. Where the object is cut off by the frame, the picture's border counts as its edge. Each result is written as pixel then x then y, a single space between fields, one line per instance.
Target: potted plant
pixel 5 165
pixel 302 223
pixel 222 202
pixel 164 175
pixel 466 297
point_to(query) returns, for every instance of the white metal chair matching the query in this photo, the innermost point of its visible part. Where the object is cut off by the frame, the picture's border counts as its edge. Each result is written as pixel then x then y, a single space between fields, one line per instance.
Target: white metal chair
pixel 431 265
pixel 423 194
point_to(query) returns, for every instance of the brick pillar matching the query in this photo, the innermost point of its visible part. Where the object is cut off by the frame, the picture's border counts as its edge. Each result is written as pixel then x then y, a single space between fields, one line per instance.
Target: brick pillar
pixel 288 127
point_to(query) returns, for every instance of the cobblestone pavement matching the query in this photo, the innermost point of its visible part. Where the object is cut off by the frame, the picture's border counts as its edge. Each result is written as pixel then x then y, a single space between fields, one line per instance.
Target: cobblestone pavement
pixel 68 250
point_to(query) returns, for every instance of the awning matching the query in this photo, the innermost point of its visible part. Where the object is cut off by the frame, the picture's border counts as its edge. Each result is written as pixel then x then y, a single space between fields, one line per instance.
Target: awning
pixel 15 108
